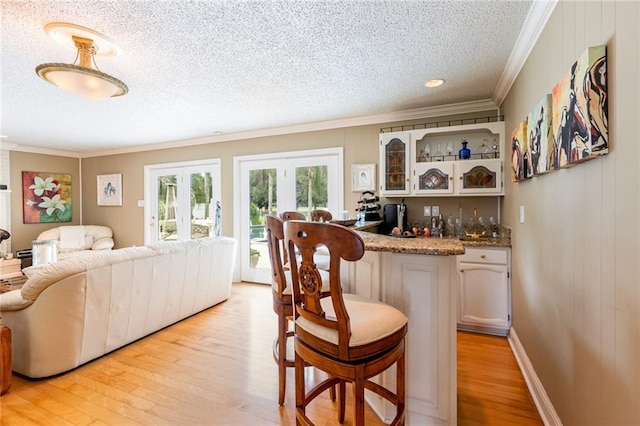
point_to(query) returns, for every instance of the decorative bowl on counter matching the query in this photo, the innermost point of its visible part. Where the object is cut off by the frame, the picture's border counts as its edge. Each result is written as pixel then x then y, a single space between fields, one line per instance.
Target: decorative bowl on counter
pixel 345 222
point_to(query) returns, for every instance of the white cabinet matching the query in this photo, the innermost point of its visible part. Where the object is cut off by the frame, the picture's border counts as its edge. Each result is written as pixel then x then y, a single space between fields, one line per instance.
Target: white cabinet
pixel 419 286
pixel 425 162
pixel 395 159
pixel 469 177
pixel 484 303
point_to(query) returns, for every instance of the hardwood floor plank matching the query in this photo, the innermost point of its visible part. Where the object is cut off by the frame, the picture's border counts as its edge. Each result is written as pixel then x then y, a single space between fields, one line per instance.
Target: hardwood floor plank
pixel 216 368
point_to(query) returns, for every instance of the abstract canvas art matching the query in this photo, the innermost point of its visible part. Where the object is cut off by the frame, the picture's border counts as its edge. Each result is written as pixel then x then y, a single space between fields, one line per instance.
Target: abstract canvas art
pixel 46 197
pixel 540 139
pixel 519 156
pixel 580 110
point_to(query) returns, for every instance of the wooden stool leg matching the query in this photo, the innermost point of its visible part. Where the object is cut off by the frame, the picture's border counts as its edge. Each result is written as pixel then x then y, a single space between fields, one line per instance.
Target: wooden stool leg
pixel 358 386
pixel 342 400
pixel 300 388
pixel 282 357
pixel 5 359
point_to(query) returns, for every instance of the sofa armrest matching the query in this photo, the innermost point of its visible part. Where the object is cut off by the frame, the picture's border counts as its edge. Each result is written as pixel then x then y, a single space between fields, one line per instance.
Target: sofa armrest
pixel 13 301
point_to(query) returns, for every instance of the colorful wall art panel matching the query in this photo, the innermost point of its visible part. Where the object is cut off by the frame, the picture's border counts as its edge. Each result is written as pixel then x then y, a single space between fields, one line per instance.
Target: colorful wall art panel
pixel 580 110
pixel 46 197
pixel 518 158
pixel 540 139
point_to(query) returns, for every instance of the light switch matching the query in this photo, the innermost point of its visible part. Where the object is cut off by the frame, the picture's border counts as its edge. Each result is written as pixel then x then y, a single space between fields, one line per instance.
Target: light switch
pixel 427 210
pixel 140 203
pixel 521 214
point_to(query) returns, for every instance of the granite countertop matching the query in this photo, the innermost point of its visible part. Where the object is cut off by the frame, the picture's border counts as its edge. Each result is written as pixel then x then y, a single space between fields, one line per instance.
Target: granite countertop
pixel 434 246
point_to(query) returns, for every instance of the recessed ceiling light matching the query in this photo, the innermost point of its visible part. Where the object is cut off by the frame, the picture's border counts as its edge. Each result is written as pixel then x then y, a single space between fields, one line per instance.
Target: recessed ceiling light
pixel 217 133
pixel 435 82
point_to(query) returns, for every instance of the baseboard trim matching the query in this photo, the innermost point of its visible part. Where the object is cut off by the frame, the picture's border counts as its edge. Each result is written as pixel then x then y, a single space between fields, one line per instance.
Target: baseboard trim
pixel 539 395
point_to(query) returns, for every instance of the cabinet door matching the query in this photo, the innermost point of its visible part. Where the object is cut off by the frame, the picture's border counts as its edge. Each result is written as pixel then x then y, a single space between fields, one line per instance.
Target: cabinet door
pixel 479 177
pixel 484 296
pixel 395 160
pixel 433 178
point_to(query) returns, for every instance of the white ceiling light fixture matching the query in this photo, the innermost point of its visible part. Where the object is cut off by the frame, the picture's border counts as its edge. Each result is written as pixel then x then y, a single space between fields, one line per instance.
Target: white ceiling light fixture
pixel 80 78
pixel 435 82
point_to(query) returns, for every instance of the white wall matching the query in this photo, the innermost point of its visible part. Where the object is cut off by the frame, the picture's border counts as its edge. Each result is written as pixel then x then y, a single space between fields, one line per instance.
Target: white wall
pixel 576 260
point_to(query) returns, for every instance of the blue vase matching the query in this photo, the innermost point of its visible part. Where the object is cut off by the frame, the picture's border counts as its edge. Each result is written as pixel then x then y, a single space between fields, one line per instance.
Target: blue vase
pixel 464 153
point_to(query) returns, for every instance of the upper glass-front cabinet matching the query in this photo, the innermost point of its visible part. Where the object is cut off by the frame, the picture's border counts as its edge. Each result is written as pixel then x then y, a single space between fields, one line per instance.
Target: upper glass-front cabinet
pixel 395 150
pixel 430 161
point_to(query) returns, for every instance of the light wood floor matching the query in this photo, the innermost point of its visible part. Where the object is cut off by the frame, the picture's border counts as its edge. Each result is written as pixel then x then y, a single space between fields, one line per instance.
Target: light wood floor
pixel 216 368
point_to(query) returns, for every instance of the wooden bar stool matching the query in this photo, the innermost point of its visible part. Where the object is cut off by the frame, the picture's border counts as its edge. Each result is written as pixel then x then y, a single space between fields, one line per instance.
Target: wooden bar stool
pixel 282 300
pixel 350 338
pixel 321 216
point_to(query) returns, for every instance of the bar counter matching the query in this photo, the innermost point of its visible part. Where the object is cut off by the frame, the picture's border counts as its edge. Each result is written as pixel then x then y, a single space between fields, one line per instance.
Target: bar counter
pixel 433 246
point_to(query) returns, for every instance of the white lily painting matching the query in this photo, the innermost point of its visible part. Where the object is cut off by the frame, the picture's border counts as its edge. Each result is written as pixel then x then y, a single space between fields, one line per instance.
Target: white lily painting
pixel 47 197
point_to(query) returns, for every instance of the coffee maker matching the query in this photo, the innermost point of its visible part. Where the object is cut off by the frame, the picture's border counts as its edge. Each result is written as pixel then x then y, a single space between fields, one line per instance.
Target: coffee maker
pixel 395 215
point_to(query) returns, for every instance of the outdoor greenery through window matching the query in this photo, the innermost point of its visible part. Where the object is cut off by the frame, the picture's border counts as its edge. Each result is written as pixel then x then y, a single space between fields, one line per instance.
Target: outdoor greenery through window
pixel 310 194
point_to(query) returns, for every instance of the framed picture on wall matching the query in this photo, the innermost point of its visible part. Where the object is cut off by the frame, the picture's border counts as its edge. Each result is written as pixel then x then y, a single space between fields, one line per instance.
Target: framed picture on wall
pixel 363 177
pixel 46 197
pixel 110 190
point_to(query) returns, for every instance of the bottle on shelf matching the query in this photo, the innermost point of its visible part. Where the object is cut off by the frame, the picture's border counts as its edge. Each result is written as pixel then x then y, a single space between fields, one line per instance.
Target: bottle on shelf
pixel 464 153
pixel 484 147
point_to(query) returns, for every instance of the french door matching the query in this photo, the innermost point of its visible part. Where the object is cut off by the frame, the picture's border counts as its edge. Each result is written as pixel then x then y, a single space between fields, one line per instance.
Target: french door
pixel 182 201
pixel 270 184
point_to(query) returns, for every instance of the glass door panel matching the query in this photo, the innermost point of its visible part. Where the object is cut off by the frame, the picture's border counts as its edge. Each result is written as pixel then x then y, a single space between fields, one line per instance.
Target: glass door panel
pixel 263 200
pixel 311 189
pixel 203 211
pixel 167 207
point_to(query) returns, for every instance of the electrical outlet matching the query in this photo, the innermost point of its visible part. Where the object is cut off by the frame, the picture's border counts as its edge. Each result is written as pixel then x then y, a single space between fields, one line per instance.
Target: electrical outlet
pixel 427 210
pixel 435 210
pixel 521 214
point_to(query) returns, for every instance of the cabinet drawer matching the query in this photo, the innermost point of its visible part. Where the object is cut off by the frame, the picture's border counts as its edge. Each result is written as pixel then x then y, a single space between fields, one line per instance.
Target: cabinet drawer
pixel 483 255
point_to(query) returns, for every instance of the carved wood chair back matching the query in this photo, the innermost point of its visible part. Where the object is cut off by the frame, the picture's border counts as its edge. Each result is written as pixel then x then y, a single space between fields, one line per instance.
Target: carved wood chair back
pixel 321 216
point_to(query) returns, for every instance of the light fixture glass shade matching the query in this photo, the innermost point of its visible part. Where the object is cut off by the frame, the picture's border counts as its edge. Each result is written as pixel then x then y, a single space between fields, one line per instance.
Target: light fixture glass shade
pixel 81 81
pixel 80 78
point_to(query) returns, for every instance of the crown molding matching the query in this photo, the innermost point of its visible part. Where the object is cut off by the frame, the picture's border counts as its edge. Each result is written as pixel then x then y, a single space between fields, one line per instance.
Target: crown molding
pixel 40 150
pixel 537 18
pixel 413 114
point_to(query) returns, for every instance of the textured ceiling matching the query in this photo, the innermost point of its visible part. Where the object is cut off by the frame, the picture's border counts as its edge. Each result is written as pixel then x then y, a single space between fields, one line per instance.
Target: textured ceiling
pixel 198 67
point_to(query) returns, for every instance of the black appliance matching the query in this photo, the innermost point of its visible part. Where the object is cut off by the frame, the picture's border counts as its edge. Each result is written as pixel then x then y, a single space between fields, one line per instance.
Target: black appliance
pixel 395 215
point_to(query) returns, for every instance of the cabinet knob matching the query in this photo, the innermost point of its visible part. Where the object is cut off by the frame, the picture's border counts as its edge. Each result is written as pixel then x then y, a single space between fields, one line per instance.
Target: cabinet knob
pixel 450 177
pixel 461 270
pixel 482 256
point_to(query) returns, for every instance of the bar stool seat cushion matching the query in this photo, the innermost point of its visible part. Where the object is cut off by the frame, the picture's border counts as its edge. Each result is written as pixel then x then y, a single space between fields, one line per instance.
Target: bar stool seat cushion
pixel 370 320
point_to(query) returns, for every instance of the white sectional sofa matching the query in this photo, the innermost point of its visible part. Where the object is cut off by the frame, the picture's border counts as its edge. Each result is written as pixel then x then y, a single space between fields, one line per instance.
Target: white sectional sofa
pixel 82 307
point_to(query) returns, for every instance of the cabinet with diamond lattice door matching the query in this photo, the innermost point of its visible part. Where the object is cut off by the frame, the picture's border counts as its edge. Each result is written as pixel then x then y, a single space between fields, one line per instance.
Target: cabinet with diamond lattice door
pixel 470 177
